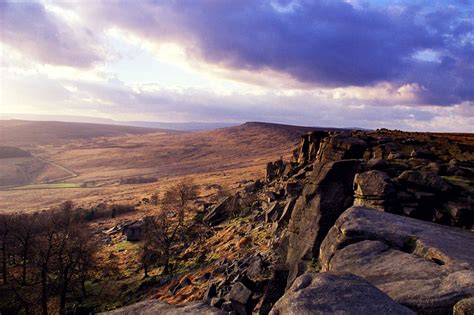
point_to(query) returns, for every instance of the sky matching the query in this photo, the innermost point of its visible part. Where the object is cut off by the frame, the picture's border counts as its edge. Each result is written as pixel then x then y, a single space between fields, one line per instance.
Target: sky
pixel 373 64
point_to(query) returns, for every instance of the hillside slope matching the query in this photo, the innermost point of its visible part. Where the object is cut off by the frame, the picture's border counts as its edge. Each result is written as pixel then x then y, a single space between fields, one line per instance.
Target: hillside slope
pixel 352 202
pixel 178 153
pixel 226 156
pixel 23 132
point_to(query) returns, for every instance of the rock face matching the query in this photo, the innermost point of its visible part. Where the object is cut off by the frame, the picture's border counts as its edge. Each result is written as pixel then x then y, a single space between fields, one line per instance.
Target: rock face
pixel 424 266
pixel 217 214
pixel 134 231
pixel 152 307
pixel 274 169
pixel 464 307
pixel 424 180
pixel 333 293
pixel 373 189
pixel 309 147
pixel 327 194
pixel 341 147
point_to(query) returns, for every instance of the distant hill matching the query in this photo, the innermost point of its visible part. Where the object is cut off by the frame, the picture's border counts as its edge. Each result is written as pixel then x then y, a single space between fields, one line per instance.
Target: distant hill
pixel 7 152
pixel 22 132
pixel 297 130
pixel 183 126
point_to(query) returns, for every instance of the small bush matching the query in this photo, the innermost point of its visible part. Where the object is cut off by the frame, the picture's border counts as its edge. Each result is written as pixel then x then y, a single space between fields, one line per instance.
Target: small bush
pixel 138 180
pixel 106 211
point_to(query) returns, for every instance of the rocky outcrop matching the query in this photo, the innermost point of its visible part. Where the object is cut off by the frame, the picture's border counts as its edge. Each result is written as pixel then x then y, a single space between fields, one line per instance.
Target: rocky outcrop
pixel 341 147
pixel 373 189
pixel 217 213
pixel 286 217
pixel 464 307
pixel 424 181
pixel 424 266
pixel 274 169
pixel 152 307
pixel 308 147
pixel 239 297
pixel 327 194
pixel 134 231
pixel 333 293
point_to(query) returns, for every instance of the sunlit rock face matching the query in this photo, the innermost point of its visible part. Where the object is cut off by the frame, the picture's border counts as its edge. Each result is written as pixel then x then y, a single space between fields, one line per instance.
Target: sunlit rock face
pixel 320 293
pixel 424 266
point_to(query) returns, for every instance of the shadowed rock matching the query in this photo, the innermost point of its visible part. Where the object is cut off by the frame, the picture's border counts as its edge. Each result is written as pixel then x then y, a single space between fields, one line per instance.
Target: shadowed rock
pixel 328 193
pixel 340 147
pixel 152 307
pixel 424 266
pixel 217 214
pixel 274 169
pixel 373 189
pixel 424 180
pixel 332 293
pixel 309 146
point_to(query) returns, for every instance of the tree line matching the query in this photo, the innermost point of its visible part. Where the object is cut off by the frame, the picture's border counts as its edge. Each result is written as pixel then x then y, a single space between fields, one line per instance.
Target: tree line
pixel 46 258
pixel 167 231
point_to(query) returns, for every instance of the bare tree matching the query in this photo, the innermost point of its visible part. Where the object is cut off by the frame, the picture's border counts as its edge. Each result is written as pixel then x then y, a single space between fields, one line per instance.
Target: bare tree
pixel 150 254
pixel 165 228
pixel 5 233
pixel 50 255
pixel 24 229
pixel 43 254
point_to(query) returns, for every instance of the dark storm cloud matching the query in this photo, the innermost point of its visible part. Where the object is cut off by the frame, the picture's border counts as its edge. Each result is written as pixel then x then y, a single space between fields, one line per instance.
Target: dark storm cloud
pixel 328 43
pixel 325 43
pixel 36 32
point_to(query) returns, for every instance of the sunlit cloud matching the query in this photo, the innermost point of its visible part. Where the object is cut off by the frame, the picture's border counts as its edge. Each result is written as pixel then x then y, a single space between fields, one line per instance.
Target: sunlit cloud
pixel 338 63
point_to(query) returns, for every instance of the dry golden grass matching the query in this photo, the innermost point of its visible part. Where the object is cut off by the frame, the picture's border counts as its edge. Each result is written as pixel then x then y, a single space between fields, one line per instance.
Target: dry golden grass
pixel 223 156
pixel 25 133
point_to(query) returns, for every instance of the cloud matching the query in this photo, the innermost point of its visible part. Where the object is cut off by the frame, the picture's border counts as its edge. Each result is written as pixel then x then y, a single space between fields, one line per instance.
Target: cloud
pixel 31 29
pixel 323 43
pixel 327 63
pixel 115 99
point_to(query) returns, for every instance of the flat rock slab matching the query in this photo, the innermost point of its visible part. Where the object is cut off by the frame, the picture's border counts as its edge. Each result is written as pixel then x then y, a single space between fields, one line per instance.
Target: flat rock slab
pixel 424 266
pixel 150 307
pixel 333 293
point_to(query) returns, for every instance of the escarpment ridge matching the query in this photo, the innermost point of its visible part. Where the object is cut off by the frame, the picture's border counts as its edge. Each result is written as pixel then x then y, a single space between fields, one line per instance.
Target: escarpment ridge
pixel 385 216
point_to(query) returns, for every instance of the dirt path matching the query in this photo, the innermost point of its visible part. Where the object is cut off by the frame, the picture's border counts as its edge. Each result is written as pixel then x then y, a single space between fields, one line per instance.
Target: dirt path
pixel 72 174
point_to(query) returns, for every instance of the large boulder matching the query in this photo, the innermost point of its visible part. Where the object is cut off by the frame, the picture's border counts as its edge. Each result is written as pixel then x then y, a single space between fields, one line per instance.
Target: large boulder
pixel 274 169
pixel 152 307
pixel 309 146
pixel 424 180
pixel 218 213
pixel 239 297
pixel 373 185
pixel 327 194
pixel 464 307
pixel 339 147
pixel 424 266
pixel 373 189
pixel 333 293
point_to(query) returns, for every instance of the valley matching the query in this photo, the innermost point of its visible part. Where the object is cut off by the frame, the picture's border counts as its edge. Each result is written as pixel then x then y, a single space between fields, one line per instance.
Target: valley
pixel 237 157
pixel 87 165
pixel 246 215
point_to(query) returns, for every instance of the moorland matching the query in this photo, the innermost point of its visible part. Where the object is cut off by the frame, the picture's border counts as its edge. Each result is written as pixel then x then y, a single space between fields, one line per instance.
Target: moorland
pixel 258 218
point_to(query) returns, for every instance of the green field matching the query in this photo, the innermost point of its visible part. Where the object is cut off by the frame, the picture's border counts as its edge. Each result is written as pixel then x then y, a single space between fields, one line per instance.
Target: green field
pixel 48 186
